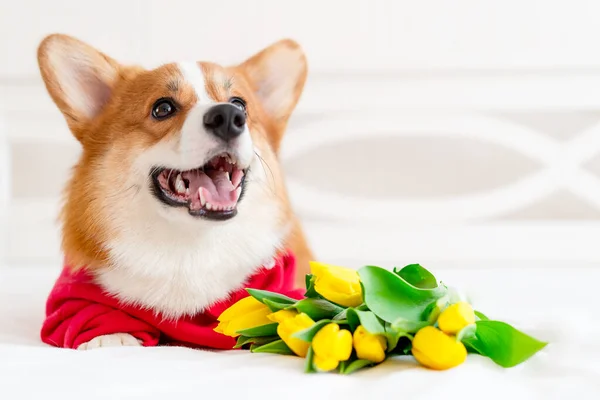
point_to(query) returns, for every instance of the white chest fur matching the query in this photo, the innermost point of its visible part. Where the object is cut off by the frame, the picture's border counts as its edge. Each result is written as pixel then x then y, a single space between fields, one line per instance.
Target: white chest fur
pixel 180 266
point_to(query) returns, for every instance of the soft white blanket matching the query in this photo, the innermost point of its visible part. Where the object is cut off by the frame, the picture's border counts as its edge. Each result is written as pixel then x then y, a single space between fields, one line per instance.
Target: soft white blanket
pixel 559 304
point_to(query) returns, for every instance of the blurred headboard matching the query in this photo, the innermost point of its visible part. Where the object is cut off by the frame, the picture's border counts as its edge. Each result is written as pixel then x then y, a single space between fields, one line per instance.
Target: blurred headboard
pixel 468 132
pixel 5 184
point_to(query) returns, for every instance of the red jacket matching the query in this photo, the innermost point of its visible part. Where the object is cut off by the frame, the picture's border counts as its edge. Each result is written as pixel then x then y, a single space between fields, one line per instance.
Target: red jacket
pixel 78 310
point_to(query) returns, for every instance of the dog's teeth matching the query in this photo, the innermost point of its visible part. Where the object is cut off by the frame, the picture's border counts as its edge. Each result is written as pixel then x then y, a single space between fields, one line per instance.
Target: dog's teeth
pixel 238 192
pixel 187 191
pixel 202 199
pixel 229 176
pixel 179 185
pixel 209 206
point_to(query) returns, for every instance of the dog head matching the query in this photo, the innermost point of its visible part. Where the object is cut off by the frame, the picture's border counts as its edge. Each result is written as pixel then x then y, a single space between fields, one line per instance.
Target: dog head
pixel 179 173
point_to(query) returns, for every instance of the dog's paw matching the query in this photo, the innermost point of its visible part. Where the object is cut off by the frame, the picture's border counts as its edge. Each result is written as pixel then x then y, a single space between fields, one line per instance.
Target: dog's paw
pixel 114 340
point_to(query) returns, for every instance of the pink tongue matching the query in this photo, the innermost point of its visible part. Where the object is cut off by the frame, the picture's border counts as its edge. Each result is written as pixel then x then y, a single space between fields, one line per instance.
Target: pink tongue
pixel 217 189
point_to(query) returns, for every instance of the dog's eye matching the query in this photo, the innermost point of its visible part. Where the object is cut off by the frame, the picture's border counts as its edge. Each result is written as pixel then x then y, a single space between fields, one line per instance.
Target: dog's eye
pixel 163 108
pixel 238 102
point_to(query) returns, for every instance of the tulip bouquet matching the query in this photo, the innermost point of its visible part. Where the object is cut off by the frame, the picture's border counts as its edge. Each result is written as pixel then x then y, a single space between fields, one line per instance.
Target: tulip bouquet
pixel 351 319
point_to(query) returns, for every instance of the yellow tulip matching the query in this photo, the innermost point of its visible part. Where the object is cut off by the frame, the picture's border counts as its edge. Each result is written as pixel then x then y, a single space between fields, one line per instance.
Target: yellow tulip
pixel 291 322
pixel 246 313
pixel 368 346
pixel 436 350
pixel 337 284
pixel 331 345
pixel 282 315
pixel 325 364
pixel 456 317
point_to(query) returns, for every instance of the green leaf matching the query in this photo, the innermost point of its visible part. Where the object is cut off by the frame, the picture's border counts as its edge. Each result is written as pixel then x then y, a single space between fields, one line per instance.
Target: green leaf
pixel 431 312
pixel 275 305
pixel 404 325
pixel 481 316
pixel 261 295
pixel 263 330
pixel 309 366
pixel 365 318
pixel 393 337
pixel 311 293
pixel 417 276
pixel 352 318
pixel 241 341
pixel 470 348
pixel 310 332
pixel 466 332
pixel 403 347
pixel 258 341
pixel 505 345
pixel 355 366
pixel 390 297
pixel 341 315
pixel 317 308
pixel 344 364
pixel 276 347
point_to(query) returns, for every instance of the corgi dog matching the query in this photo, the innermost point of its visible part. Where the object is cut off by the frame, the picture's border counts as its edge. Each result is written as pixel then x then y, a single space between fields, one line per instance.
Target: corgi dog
pixel 178 197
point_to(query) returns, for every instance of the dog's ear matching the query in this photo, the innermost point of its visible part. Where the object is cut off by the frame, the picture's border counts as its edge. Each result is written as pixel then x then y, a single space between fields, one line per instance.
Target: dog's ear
pixel 79 78
pixel 277 75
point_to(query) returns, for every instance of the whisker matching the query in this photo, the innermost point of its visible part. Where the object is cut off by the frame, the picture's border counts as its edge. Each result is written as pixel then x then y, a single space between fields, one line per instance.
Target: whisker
pixel 263 163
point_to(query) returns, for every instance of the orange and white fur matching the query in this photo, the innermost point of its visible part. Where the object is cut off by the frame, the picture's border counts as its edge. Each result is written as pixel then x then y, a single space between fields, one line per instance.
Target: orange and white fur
pixel 146 134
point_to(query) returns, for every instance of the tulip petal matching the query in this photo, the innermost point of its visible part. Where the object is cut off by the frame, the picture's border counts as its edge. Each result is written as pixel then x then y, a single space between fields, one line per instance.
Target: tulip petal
pixel 282 315
pixel 243 306
pixel 337 284
pixel 288 326
pixel 221 327
pixel 436 350
pixel 325 364
pixel 456 317
pixel 343 345
pixel 249 320
pixel 369 346
pixel 331 342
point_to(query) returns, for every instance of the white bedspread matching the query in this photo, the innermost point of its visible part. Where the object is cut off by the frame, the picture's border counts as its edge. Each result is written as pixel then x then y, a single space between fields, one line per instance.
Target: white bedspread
pixel 557 303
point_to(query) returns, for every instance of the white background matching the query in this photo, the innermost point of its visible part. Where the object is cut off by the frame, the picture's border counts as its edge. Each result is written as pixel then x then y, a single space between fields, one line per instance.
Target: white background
pixel 436 131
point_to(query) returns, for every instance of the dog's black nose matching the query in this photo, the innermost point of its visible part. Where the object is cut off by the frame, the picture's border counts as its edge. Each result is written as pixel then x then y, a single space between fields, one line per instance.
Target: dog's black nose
pixel 225 121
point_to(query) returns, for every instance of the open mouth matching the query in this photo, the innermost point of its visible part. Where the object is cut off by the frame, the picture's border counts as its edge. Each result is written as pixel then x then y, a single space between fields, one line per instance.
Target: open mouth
pixel 211 191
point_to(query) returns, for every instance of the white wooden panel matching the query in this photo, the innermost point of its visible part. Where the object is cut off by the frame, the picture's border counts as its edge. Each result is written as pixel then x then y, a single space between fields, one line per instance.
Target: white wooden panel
pixel 112 25
pixel 385 34
pixel 338 35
